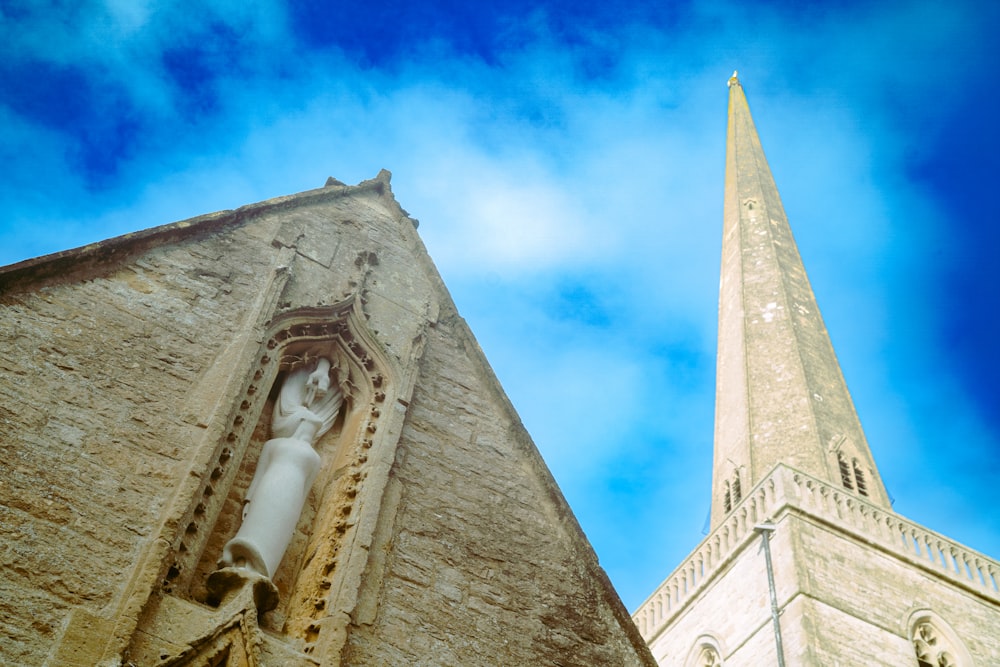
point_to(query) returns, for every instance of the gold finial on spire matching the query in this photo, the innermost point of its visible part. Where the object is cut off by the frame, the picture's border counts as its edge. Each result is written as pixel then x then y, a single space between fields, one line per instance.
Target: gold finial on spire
pixel 734 79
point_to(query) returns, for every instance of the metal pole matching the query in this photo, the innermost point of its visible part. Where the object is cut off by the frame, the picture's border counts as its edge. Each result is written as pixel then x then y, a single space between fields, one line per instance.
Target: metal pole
pixel 765 530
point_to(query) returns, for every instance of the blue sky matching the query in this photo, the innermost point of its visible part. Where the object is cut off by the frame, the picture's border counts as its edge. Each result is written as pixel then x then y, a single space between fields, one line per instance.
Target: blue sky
pixel 566 162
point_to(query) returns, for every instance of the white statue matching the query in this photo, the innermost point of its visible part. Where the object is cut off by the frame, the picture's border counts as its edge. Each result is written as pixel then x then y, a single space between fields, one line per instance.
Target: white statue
pixel 306 409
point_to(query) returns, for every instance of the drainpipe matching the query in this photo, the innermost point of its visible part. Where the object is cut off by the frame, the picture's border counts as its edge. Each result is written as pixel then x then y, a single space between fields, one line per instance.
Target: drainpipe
pixel 765 530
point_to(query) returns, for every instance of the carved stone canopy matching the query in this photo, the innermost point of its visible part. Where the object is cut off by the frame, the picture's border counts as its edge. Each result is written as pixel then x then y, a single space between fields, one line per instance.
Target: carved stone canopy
pixel 303 591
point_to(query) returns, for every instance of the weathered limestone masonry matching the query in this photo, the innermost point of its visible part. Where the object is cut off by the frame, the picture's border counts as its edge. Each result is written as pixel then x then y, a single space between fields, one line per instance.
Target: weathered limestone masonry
pixel 780 393
pixel 137 381
pixel 852 582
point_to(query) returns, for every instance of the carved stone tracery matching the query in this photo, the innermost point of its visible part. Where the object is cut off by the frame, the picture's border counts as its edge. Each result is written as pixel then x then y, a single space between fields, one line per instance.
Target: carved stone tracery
pixel 931 649
pixel 709 658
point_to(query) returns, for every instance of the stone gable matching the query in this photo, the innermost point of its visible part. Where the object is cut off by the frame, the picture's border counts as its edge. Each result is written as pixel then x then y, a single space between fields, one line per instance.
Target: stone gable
pixel 138 378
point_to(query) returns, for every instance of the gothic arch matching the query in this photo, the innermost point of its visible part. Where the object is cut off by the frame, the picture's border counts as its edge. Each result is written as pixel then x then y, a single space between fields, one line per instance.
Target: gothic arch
pixel 853 469
pixel 935 643
pixel 859 477
pixel 846 478
pixel 706 652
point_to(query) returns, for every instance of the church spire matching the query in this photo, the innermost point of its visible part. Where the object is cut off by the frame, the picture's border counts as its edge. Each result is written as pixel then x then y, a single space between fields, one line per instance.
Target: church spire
pixel 780 394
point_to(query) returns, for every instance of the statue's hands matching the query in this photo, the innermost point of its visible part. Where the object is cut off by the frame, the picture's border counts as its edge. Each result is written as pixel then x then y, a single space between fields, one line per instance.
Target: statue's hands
pixel 317 384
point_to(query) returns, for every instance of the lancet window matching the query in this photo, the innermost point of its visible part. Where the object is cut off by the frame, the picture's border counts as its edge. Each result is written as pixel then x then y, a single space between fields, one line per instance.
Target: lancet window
pixel 733 492
pixel 852 474
pixel 845 472
pixel 859 478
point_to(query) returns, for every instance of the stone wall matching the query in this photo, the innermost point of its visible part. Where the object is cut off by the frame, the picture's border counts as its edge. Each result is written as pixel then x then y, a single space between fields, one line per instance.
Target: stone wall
pixel 851 582
pixel 97 426
pixel 482 537
pixel 134 377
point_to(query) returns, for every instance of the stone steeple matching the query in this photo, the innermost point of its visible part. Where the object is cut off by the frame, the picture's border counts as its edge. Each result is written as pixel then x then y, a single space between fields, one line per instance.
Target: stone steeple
pixel 780 394
pixel 805 560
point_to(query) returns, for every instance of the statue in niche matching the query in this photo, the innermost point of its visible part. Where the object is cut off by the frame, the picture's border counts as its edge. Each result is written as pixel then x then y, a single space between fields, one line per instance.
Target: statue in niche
pixel 306 408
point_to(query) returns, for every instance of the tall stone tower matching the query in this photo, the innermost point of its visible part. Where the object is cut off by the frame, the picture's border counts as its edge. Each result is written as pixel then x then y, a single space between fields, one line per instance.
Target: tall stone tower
pixel 265 437
pixel 806 562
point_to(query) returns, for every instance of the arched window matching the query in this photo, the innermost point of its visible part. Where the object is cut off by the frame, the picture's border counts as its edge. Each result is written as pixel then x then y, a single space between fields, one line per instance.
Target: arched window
pixel 859 478
pixel 727 501
pixel 845 472
pixel 737 491
pixel 709 657
pixel 706 652
pixel 931 650
pixel 935 643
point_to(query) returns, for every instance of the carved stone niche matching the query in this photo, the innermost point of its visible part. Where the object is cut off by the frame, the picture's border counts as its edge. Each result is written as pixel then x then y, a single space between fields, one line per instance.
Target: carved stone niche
pixel 309 573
